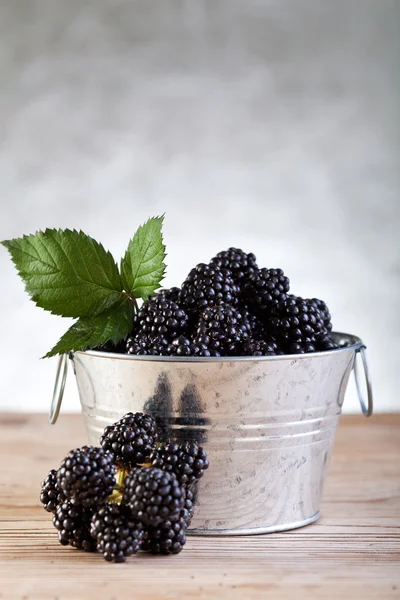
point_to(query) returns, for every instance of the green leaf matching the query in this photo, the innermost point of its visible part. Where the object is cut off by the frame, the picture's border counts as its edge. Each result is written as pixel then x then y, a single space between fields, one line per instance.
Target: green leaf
pixel 143 267
pixel 88 332
pixel 66 272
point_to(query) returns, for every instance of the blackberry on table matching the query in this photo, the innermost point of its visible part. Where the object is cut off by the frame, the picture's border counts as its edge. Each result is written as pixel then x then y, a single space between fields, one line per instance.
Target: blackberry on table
pixel 161 317
pixel 265 289
pixel 187 511
pixel 50 494
pixel 187 461
pixel 261 348
pixel 225 328
pixel 86 475
pixel 147 345
pixel 298 324
pixel 73 524
pixel 168 538
pixel 207 285
pixel 153 496
pixel 131 439
pixel 239 263
pixel 116 534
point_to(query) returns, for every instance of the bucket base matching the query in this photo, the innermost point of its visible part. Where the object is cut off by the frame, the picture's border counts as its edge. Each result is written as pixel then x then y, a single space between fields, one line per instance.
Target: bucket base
pixel 254 530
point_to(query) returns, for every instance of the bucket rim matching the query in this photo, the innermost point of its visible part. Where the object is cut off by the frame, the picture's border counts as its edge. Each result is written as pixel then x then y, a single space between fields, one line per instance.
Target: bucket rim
pixel 347 342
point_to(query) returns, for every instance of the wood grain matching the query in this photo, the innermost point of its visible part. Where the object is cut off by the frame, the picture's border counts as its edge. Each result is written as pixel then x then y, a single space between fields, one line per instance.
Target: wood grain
pixel 353 551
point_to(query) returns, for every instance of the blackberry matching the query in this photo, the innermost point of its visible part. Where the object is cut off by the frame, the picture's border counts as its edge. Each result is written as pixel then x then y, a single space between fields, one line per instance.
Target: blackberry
pixel 199 346
pixel 73 524
pixel 167 293
pixel 261 348
pixel 225 328
pixel 187 461
pixel 207 285
pixel 187 511
pixel 326 343
pixel 168 538
pixel 265 290
pixel 131 439
pixel 298 324
pixel 50 494
pixel 116 534
pixel 86 475
pixel 162 317
pixel 147 345
pixel 153 496
pixel 240 264
pixel 326 316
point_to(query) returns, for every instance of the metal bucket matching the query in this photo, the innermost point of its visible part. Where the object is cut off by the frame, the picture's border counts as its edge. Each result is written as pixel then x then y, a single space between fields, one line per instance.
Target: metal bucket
pixel 268 424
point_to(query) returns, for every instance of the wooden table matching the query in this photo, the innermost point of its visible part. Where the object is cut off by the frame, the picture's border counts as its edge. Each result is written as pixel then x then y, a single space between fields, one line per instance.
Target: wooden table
pixel 353 551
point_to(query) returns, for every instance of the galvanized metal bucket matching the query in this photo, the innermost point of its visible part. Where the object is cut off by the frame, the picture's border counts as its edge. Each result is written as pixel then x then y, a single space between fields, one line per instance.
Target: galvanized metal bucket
pixel 268 424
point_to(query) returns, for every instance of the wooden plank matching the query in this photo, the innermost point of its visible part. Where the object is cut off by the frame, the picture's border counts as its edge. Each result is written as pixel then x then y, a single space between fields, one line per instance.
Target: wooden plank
pixel 353 551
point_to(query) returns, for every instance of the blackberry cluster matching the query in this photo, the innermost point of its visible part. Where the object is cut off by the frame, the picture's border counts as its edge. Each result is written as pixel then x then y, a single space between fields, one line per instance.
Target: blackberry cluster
pixel 131 439
pixel 116 534
pixel 208 285
pixel 144 508
pixel 86 475
pixel 241 265
pixel 188 461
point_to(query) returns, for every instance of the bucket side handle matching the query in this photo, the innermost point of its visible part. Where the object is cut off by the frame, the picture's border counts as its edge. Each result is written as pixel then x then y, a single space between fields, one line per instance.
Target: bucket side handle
pixel 366 407
pixel 59 387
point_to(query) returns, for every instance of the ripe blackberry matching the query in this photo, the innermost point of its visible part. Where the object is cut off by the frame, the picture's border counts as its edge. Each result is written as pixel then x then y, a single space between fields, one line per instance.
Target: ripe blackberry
pixel 187 461
pixel 50 495
pixel 207 286
pixel 116 534
pixel 86 475
pixel 261 348
pixel 167 293
pixel 225 327
pixel 153 496
pixel 326 316
pixel 73 524
pixel 298 324
pixel 162 317
pixel 181 346
pixel 187 511
pixel 168 538
pixel 326 343
pixel 131 439
pixel 241 265
pixel 147 345
pixel 265 290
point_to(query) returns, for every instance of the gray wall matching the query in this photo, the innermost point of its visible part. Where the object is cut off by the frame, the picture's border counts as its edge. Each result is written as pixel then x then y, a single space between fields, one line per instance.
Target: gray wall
pixel 262 124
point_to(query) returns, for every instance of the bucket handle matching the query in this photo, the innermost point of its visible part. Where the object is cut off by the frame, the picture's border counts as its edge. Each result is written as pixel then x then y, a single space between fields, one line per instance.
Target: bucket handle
pixel 366 407
pixel 59 386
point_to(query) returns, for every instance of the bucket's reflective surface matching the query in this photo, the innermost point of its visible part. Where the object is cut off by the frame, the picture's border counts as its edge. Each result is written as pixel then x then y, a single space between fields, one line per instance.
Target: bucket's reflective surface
pixel 268 425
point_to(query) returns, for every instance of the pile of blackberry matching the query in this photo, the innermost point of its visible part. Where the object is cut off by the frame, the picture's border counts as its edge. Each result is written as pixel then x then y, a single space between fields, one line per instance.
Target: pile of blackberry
pixel 230 307
pixel 131 494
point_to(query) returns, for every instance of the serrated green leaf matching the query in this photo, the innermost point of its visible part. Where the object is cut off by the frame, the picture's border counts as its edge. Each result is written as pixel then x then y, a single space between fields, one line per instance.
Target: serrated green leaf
pixel 112 325
pixel 66 272
pixel 143 267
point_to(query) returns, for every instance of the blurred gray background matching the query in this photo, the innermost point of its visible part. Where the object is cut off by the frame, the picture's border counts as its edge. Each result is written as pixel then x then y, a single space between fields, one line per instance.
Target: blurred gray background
pixel 268 125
